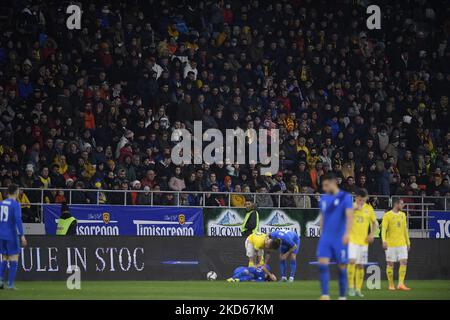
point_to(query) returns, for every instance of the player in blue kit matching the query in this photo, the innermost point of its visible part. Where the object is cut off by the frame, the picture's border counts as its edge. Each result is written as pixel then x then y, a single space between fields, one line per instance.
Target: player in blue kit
pixel 242 274
pixel 11 231
pixel 290 243
pixel 336 208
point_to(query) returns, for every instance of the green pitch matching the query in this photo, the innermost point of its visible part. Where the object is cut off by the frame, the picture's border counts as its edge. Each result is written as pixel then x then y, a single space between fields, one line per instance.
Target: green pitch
pixel 182 290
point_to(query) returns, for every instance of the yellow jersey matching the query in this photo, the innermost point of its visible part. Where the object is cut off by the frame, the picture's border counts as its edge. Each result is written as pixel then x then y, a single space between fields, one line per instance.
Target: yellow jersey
pixel 237 200
pixel 257 240
pixel 362 220
pixel 24 201
pixel 394 229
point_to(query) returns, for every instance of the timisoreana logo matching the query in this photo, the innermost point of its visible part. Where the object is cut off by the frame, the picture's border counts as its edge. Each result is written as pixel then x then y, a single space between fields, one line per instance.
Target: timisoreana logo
pixel 179 227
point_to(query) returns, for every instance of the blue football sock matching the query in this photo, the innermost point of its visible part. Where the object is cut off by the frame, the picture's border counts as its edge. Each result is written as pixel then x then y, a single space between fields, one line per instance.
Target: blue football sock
pixel 3 267
pixel 12 273
pixel 324 279
pixel 342 282
pixel 283 268
pixel 293 268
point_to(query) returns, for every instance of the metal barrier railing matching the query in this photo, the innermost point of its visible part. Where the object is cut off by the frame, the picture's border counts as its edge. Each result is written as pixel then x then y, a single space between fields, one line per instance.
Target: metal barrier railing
pixel 417 207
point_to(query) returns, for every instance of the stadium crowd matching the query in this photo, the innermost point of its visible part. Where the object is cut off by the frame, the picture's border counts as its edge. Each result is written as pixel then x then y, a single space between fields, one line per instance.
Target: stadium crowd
pixel 95 108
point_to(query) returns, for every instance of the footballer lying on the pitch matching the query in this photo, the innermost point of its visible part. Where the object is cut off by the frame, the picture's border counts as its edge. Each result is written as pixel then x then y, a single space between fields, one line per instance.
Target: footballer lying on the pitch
pixel 256 274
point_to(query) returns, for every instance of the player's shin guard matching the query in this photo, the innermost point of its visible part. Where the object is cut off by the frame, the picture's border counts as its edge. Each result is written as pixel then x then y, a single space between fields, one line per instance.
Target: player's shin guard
pixel 12 273
pixel 401 274
pixel 390 275
pixel 324 279
pixel 3 267
pixel 293 268
pixel 342 282
pixel 283 268
pixel 359 278
pixel 351 275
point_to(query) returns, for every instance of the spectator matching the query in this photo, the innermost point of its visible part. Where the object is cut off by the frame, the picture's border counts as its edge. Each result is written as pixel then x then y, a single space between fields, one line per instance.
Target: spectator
pixel 135 186
pixel 79 197
pixel 382 178
pixel 303 201
pixel 176 182
pixel 237 199
pixel 349 185
pixel 113 93
pixel 263 200
pixel 26 206
pixel 150 179
pixel 406 165
pixel 279 182
pixel 288 201
pixel 214 199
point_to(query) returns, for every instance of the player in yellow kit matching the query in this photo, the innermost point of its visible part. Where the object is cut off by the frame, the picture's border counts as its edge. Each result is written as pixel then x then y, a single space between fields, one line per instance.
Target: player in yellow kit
pixel 255 244
pixel 358 247
pixel 396 243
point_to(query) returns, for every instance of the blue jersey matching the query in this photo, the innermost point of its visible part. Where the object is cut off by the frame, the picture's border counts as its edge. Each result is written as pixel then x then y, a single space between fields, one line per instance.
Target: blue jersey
pixel 10 220
pixel 249 274
pixel 258 273
pixel 288 239
pixel 333 209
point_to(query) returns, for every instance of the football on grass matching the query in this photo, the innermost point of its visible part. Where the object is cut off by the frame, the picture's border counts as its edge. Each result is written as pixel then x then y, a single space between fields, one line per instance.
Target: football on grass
pixel 211 276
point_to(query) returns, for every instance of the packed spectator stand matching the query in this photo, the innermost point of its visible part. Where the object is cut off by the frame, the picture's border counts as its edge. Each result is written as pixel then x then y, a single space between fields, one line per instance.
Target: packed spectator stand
pixel 95 108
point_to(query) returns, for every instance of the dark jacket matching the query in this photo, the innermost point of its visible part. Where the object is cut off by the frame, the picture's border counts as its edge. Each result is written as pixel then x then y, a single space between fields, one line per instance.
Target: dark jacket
pixel 251 223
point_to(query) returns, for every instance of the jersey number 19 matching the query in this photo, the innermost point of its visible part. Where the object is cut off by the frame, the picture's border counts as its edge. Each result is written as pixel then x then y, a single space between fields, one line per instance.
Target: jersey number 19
pixel 4 212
